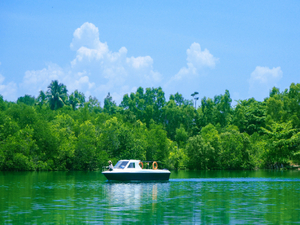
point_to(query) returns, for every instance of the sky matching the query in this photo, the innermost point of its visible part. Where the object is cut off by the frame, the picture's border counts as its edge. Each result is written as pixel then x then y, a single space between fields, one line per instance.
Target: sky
pixel 96 47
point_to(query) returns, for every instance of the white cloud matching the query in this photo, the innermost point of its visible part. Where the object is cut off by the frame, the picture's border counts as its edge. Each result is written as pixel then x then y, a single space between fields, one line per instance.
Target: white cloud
pixel 95 69
pixel 2 78
pixel 87 36
pixel 81 82
pixel 262 79
pixel 196 61
pixel 265 75
pixel 112 71
pixel 199 59
pixel 8 91
pixel 140 62
pixel 36 80
pixel 188 77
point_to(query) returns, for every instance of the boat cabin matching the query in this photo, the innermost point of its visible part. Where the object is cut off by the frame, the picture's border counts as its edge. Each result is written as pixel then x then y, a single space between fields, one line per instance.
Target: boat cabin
pixel 128 164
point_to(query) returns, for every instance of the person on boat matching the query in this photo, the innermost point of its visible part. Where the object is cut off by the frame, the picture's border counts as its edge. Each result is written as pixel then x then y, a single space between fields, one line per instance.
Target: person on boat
pixel 110 166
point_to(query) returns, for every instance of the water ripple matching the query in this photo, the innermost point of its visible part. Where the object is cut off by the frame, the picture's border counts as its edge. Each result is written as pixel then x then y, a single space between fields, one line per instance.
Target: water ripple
pixel 235 180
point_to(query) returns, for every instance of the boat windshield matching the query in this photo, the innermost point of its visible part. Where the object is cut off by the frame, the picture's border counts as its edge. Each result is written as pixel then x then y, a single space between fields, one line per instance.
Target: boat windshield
pixel 121 165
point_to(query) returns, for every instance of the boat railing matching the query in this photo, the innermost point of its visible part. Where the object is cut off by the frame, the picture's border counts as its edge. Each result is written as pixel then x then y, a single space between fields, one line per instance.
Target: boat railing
pixel 104 168
pixel 149 164
pixel 146 165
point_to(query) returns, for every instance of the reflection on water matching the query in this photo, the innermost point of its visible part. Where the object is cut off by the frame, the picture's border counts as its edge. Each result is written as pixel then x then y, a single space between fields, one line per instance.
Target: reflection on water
pixel 213 197
pixel 131 195
pixel 236 180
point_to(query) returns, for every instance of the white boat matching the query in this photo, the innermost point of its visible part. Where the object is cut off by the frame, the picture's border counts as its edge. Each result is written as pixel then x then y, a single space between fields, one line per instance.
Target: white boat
pixel 132 170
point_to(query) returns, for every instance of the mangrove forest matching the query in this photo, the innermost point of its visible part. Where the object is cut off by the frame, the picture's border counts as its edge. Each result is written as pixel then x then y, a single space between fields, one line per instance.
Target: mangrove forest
pixel 68 131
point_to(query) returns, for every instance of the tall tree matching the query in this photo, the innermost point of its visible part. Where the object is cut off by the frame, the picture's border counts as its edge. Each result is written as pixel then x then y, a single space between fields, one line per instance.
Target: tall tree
pixel 42 98
pixel 57 95
pixel 93 104
pixel 27 99
pixel 110 106
pixel 76 99
pixel 223 108
pixel 194 95
pixel 283 142
pixel 249 116
pixel 2 104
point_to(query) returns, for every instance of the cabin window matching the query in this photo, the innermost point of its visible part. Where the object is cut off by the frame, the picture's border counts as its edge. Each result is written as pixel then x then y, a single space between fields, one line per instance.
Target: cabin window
pixel 121 165
pixel 131 165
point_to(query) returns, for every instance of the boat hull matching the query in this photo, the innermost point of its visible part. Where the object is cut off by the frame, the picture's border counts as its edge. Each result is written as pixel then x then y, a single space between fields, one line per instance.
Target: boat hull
pixel 123 176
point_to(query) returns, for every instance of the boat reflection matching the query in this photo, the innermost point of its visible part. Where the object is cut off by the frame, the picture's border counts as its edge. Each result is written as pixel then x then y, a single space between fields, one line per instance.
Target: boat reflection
pixel 129 195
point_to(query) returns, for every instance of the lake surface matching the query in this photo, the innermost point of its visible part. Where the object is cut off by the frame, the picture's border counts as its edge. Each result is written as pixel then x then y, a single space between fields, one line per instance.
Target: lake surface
pixel 190 197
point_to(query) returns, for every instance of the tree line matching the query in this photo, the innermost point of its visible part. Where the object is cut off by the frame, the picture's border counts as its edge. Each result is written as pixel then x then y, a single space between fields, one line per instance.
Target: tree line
pixel 58 131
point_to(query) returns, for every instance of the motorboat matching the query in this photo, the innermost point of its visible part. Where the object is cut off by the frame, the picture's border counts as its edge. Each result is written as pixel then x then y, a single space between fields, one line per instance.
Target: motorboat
pixel 126 170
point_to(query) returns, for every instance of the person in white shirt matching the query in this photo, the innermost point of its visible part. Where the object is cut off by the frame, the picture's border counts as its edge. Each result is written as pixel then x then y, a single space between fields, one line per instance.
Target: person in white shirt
pixel 110 166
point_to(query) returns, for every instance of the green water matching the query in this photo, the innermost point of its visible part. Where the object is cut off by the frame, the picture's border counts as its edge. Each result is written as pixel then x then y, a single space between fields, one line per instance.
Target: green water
pixel 190 197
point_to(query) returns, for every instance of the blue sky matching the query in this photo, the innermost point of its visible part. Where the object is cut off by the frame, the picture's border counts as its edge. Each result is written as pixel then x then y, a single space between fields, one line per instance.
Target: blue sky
pixel 98 47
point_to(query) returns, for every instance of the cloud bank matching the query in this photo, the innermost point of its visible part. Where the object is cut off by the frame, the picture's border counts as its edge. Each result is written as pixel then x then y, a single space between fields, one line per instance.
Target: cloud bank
pixel 95 70
pixel 196 61
pixel 262 79
pixel 9 90
pixel 189 76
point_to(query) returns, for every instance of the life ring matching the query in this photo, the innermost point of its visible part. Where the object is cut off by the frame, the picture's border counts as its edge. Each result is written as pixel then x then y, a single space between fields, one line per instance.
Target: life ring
pixel 154 165
pixel 141 163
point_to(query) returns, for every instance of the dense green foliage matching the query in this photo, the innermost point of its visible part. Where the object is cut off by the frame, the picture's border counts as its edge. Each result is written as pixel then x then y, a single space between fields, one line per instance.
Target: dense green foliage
pixel 57 131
